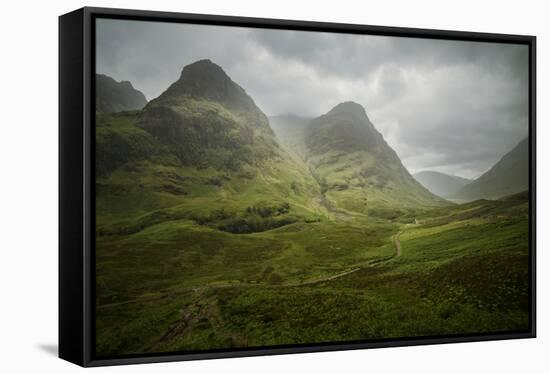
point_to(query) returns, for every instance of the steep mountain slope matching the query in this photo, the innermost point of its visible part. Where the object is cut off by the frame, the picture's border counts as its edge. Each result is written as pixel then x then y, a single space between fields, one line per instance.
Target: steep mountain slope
pixel 113 96
pixel 202 151
pixel 357 169
pixel 441 184
pixel 508 176
pixel 206 119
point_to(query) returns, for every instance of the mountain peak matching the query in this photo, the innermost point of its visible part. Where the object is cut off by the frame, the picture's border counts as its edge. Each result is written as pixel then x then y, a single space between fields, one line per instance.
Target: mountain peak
pixel 346 127
pixel 201 68
pixel 206 80
pixel 349 106
pixel 209 120
pixel 353 159
pixel 351 110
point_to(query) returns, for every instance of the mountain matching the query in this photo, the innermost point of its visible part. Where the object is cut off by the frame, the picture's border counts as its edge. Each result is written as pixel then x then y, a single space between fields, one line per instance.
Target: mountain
pixel 290 131
pixel 508 176
pixel 213 233
pixel 113 96
pixel 441 184
pixel 201 152
pixel 204 152
pixel 357 169
pixel 206 119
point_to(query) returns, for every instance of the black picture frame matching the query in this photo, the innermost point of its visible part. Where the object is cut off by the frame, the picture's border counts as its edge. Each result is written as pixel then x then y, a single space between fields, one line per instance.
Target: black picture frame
pixel 76 180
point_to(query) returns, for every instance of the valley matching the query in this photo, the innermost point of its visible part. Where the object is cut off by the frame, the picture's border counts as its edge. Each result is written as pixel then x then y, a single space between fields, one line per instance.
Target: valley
pixel 217 228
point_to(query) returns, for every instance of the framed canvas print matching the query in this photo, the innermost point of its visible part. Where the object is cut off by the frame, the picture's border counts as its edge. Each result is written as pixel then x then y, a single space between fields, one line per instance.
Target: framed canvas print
pixel 236 186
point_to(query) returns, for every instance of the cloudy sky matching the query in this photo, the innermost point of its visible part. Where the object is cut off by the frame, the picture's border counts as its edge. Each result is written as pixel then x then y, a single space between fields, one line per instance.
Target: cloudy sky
pixel 454 107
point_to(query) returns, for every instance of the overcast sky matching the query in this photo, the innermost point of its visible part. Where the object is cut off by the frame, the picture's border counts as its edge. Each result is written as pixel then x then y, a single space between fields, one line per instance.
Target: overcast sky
pixel 454 107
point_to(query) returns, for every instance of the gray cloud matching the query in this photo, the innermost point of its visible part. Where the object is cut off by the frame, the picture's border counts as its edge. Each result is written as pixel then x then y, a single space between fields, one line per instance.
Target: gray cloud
pixel 451 106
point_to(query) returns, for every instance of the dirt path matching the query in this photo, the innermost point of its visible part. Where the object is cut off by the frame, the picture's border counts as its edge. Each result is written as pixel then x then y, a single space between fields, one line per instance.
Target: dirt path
pixel 207 309
pixel 397 244
pixel 326 279
pixel 395 240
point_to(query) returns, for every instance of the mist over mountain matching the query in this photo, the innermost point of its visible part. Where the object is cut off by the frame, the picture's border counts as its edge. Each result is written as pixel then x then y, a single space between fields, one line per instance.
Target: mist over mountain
pixel 508 176
pixel 290 130
pixel 441 184
pixel 113 96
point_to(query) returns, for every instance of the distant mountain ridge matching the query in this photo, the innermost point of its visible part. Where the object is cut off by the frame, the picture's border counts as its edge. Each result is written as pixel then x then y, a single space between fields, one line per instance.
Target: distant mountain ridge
pixel 508 176
pixel 441 184
pixel 113 96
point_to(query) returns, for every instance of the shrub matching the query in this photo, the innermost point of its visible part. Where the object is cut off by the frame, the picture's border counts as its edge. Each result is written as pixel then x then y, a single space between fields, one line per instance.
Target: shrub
pixel 275 278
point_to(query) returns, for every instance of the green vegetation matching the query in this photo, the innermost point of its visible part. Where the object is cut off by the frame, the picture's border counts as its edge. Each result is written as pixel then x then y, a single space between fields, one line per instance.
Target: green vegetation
pixel 180 286
pixel 356 168
pixel 284 246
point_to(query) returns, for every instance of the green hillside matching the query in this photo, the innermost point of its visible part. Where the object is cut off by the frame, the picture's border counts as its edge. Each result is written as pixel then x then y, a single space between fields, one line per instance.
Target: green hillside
pixel 178 286
pixel 206 158
pixel 508 176
pixel 113 96
pixel 357 169
pixel 212 235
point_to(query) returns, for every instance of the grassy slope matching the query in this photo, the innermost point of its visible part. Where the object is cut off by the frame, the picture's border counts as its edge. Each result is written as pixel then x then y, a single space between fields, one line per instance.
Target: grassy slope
pixel 355 184
pixel 182 286
pixel 358 171
pixel 150 186
pixel 170 276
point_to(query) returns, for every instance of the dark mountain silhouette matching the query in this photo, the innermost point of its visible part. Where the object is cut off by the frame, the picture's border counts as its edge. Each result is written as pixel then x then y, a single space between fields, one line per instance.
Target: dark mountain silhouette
pixel 113 96
pixel 508 176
